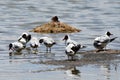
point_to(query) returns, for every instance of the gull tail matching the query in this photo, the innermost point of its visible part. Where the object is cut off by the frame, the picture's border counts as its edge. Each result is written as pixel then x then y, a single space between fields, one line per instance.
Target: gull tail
pixel 113 39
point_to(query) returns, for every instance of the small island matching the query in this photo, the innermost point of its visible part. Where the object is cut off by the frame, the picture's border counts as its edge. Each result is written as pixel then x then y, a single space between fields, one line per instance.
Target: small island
pixel 55 26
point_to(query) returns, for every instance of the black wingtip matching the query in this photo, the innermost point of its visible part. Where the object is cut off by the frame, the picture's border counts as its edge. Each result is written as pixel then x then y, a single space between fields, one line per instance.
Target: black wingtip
pixel 113 39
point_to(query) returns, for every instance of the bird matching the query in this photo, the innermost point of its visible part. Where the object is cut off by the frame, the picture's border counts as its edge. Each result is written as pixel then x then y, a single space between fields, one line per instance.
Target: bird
pixel 102 41
pixel 16 47
pixel 55 19
pixel 34 44
pixel 24 38
pixel 48 42
pixel 68 40
pixel 71 49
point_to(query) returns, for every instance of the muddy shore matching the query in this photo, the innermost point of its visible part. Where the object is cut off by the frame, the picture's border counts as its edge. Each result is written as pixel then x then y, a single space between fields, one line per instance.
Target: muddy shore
pixel 88 57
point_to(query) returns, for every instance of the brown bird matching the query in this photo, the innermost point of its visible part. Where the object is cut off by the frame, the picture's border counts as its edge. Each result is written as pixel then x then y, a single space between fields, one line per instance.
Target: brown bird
pixel 55 19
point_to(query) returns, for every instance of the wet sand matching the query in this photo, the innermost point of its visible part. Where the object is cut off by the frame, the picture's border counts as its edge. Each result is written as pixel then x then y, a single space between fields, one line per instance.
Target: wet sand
pixel 88 57
pixel 108 51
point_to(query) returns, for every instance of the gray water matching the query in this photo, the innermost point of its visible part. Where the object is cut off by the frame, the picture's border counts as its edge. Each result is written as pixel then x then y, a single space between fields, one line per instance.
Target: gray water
pixel 93 17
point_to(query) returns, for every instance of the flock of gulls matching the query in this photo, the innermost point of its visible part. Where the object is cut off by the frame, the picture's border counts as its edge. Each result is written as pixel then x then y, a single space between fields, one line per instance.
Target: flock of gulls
pixel 71 48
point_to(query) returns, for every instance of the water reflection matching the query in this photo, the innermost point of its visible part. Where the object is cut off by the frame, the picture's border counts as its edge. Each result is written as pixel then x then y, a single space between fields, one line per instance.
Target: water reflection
pixel 49 55
pixel 24 52
pixel 15 53
pixel 93 17
pixel 32 54
pixel 73 73
pixel 107 70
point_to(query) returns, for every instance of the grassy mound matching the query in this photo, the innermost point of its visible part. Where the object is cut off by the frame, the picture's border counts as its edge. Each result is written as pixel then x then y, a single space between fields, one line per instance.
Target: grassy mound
pixel 55 26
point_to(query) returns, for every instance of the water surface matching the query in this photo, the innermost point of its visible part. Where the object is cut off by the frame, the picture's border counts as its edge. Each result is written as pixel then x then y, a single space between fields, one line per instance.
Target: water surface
pixel 94 18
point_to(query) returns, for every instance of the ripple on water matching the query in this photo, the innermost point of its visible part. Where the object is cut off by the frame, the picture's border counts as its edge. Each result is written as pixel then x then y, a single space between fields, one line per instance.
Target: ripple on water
pixel 93 17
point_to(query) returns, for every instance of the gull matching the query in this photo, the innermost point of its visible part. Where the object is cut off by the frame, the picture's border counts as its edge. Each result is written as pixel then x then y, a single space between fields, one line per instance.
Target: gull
pixel 34 44
pixel 101 42
pixel 71 49
pixel 68 40
pixel 16 46
pixel 48 42
pixel 24 38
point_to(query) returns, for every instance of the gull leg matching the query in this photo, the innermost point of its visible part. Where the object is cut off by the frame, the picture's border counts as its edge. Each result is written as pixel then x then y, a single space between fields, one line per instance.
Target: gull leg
pixel 50 49
pixel 46 49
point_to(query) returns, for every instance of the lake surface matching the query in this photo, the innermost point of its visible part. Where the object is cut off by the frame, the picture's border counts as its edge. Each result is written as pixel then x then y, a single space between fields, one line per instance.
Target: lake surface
pixel 93 17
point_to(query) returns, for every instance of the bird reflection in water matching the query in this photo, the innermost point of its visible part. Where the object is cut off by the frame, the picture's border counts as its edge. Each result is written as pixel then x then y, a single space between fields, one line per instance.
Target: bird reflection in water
pixel 14 53
pixel 73 72
pixel 49 55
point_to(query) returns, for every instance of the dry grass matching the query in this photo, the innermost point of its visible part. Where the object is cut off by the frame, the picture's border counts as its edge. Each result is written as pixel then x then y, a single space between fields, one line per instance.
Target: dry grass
pixel 55 27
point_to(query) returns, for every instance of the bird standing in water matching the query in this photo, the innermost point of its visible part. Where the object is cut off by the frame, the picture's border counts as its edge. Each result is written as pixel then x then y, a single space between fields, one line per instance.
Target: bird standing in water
pixel 16 47
pixel 72 47
pixel 34 44
pixel 24 38
pixel 101 42
pixel 48 42
pixel 71 50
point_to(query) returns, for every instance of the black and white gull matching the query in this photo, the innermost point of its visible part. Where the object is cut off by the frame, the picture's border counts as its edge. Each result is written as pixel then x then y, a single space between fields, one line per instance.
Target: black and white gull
pixel 101 42
pixel 68 40
pixel 34 43
pixel 48 42
pixel 24 38
pixel 16 46
pixel 72 47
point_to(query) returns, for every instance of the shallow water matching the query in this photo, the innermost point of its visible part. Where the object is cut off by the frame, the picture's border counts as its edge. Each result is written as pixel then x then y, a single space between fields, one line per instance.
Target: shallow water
pixel 94 18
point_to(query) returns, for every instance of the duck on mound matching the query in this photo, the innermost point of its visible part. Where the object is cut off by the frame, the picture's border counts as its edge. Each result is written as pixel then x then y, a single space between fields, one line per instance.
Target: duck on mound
pixel 55 26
